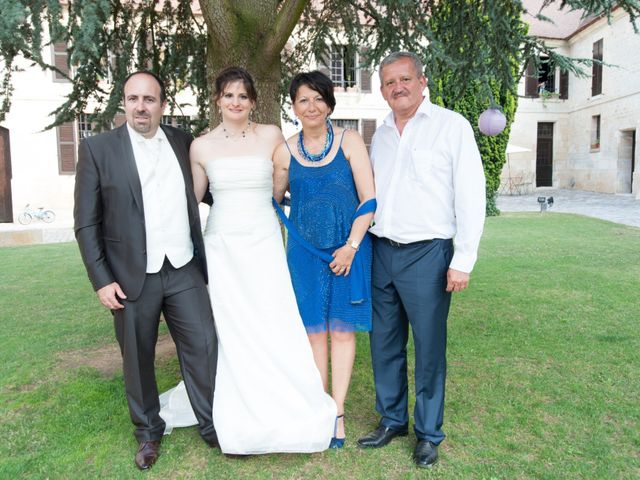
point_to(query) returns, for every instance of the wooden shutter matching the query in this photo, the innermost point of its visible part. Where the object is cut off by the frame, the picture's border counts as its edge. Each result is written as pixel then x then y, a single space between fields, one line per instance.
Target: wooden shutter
pixel 61 61
pixel 365 73
pixel 564 85
pixel 66 148
pixel 368 129
pixel 531 81
pixel 6 205
pixel 596 69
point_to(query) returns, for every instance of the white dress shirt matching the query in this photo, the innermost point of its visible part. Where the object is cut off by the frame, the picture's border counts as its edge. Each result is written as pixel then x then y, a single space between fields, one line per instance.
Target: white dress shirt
pixel 430 182
pixel 165 201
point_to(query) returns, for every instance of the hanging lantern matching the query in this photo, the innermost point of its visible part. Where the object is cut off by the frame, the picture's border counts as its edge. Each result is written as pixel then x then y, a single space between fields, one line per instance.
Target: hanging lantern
pixel 492 121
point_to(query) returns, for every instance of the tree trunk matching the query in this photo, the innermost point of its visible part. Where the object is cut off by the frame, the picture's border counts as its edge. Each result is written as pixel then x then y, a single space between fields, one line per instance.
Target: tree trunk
pixel 250 34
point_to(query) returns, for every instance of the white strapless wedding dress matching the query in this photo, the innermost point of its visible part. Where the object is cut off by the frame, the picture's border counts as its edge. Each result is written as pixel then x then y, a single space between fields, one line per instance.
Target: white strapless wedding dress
pixel 269 395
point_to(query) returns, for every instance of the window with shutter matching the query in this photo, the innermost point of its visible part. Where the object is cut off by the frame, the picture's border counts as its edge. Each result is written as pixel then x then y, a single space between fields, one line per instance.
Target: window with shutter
pixel 595 133
pixel 86 127
pixel 596 69
pixel 66 148
pixel 60 60
pixel 342 66
pixel 540 80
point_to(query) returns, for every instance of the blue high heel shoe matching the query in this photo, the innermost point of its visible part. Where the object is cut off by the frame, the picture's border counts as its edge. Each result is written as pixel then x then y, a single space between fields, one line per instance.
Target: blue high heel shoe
pixel 335 441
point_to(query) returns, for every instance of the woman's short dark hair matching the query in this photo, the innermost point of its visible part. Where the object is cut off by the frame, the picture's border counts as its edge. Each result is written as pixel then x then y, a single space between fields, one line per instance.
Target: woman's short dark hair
pixel 316 81
pixel 163 90
pixel 235 74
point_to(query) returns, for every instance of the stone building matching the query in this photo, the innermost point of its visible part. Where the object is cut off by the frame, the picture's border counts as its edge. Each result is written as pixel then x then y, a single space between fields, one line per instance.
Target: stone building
pixel 578 133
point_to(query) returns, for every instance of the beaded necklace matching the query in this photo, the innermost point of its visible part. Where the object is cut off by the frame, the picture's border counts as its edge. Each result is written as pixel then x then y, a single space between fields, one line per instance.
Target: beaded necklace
pixel 316 157
pixel 231 135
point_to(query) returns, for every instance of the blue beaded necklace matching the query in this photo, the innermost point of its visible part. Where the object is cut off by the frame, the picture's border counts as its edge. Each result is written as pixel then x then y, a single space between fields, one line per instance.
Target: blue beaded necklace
pixel 316 157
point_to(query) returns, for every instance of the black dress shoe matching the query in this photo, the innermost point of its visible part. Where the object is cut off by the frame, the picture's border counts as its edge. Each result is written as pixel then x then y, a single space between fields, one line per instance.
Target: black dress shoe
pixel 147 454
pixel 425 454
pixel 380 437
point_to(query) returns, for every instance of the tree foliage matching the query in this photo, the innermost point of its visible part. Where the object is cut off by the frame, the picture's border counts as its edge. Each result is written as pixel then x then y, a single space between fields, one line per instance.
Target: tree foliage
pixel 471 105
pixel 477 97
pixel 187 42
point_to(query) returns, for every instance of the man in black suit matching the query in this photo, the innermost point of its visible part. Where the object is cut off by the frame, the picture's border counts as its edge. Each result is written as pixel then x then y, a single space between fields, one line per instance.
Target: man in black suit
pixel 138 228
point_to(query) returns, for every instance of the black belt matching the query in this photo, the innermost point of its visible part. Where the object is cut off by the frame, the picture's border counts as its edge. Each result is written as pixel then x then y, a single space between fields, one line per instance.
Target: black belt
pixel 395 244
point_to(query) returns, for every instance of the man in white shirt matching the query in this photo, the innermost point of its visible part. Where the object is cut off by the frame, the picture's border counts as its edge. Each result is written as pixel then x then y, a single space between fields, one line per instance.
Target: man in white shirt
pixel 430 189
pixel 138 227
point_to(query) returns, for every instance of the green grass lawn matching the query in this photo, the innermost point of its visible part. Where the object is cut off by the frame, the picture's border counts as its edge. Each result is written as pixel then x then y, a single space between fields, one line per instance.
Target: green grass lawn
pixel 543 380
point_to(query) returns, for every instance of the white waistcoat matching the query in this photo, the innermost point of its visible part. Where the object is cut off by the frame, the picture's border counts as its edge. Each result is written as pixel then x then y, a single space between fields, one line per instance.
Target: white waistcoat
pixel 164 199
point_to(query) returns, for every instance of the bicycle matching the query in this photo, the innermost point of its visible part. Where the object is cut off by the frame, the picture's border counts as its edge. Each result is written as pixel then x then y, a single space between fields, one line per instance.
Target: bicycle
pixel 26 217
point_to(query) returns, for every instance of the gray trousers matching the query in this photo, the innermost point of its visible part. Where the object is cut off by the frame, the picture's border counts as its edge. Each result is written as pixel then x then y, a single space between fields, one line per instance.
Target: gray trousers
pixel 182 296
pixel 408 288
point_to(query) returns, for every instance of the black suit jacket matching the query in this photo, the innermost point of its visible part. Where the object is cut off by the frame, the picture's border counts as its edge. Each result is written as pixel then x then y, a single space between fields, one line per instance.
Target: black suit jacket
pixel 108 213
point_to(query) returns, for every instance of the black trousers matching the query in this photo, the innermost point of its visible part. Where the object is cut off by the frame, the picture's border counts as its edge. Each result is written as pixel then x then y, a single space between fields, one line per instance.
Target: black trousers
pixel 182 296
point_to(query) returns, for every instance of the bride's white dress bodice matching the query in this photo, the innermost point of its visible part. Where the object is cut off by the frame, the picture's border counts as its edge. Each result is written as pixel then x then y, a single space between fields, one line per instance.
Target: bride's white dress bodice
pixel 242 189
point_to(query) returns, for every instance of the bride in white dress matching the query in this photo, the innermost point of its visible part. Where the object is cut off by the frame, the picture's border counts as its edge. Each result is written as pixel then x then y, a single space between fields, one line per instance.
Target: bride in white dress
pixel 269 395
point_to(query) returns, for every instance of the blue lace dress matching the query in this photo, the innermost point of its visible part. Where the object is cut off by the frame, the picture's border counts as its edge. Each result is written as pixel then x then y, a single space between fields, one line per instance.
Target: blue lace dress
pixel 323 203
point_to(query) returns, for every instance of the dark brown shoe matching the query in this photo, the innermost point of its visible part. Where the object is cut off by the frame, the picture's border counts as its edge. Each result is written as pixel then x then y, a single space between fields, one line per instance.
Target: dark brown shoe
pixel 213 443
pixel 147 454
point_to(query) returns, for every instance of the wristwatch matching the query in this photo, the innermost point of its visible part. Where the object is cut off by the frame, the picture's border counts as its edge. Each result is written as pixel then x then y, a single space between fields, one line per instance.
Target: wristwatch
pixel 353 244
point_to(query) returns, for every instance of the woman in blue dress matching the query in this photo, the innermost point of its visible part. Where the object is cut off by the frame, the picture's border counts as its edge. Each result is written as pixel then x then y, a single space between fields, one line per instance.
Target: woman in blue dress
pixel 328 172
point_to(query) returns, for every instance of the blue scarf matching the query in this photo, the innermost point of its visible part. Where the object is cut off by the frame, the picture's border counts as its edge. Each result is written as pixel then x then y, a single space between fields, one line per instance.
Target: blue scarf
pixel 360 285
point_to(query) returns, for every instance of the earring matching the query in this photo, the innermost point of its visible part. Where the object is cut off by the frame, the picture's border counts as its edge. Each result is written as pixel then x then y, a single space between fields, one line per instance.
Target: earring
pixel 329 124
pixel 296 122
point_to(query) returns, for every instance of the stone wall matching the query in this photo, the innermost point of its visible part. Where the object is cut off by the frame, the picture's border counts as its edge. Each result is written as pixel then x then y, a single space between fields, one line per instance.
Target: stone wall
pixel 575 164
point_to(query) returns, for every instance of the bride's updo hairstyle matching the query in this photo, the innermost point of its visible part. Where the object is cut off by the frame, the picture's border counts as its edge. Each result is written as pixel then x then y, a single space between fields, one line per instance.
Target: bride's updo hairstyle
pixel 316 81
pixel 231 75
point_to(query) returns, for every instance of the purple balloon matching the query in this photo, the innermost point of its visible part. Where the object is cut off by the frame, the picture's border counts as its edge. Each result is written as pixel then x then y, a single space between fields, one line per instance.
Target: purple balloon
pixel 492 121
